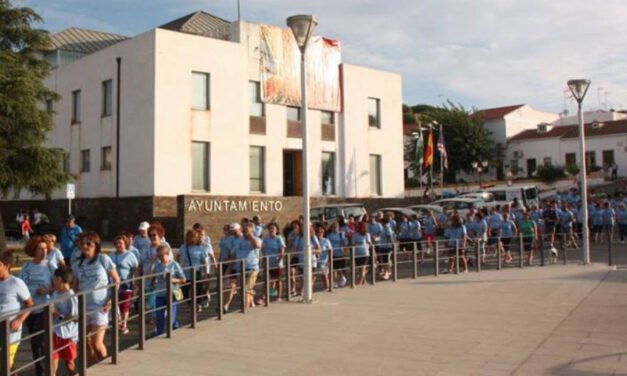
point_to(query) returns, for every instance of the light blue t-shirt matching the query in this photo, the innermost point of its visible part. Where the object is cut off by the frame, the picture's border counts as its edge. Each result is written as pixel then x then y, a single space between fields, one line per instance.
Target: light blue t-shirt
pixel 192 255
pixel 13 293
pixel 54 257
pixel 325 249
pixel 404 230
pixel 494 221
pixel 597 217
pixel 387 237
pixel 566 218
pixel 149 254
pixel 608 216
pixel 361 243
pixel 160 279
pixel 415 230
pixel 243 249
pixel 455 234
pixel 508 227
pixel 375 230
pixel 226 246
pixel 207 243
pixel 621 216
pixel 36 276
pixel 298 246
pixel 338 240
pixel 480 228
pixel 430 225
pixel 142 244
pixel 135 252
pixel 258 231
pixel 68 307
pixel 126 263
pixel 272 246
pixel 94 275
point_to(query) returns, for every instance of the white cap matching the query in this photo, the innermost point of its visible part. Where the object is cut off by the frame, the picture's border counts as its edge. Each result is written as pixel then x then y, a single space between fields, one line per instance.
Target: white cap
pixel 234 226
pixel 144 226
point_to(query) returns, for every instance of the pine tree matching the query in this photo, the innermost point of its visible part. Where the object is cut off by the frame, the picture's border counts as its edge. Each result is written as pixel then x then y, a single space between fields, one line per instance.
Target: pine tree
pixel 25 163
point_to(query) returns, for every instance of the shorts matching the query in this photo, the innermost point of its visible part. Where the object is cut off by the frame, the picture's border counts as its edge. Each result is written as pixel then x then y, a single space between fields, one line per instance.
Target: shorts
pixel 322 268
pixel 383 255
pixel 12 351
pixel 339 264
pixel 124 299
pixel 361 260
pixel 549 228
pixel 494 237
pixel 527 242
pixel 276 272
pixel 98 318
pixel 251 280
pixel 596 229
pixel 64 348
pixel 506 242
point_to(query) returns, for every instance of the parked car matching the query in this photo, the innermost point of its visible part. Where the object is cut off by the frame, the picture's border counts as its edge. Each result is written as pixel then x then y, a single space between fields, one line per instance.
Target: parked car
pixel 486 197
pixel 462 205
pixel 422 209
pixel 398 212
pixel 332 212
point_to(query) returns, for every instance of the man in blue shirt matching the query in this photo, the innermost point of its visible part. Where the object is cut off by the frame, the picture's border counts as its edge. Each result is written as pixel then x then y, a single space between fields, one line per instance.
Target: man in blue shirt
pixel 68 238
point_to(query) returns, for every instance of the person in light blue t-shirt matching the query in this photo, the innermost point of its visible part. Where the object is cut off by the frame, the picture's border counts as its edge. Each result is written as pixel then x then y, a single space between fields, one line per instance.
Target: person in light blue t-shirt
pixel 160 268
pixel 507 234
pixel 322 266
pixel 193 258
pixel 362 244
pixel 298 251
pixel 273 247
pixel 457 240
pixel 54 255
pixel 247 248
pixel 338 241
pixel 66 327
pixel 127 266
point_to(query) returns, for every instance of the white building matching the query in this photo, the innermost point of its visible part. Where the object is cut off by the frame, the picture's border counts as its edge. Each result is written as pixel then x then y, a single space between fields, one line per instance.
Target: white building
pixel 179 110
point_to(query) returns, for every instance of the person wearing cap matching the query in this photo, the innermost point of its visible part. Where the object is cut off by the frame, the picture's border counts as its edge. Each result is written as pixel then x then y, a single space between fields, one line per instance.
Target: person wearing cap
pixel 67 238
pixel 238 236
pixel 141 240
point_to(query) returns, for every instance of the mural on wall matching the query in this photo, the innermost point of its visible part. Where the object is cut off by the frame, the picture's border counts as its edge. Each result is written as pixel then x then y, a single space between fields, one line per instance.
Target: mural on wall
pixel 280 73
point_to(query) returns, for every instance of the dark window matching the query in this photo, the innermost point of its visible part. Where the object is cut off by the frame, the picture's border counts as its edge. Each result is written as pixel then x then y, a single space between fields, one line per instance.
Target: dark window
pixel 106 158
pixel 374 112
pixel 106 98
pixel 256 105
pixel 76 106
pixel 85 160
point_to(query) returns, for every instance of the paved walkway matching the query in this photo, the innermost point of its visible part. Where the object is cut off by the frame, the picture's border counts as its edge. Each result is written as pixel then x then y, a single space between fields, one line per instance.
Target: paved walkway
pixel 557 320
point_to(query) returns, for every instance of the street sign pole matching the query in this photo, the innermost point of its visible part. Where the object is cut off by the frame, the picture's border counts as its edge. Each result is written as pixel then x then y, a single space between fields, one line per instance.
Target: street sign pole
pixel 70 193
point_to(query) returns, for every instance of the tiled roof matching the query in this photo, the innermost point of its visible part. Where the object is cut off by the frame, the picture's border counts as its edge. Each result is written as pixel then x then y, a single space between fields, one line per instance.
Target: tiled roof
pixel 200 23
pixel 83 41
pixel 498 112
pixel 570 131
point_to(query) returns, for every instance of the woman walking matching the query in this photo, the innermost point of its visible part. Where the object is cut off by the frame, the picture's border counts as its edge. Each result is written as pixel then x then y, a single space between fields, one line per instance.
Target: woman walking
pixel 127 267
pixel 362 243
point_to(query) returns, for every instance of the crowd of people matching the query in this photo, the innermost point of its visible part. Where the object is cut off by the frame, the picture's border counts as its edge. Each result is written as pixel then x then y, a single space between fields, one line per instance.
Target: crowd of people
pixel 81 265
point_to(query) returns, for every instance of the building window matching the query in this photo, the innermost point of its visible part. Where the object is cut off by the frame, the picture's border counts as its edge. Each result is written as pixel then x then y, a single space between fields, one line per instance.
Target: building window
pixel 66 162
pixel 591 159
pixel 374 112
pixel 200 91
pixel 256 105
pixel 50 105
pixel 547 161
pixel 293 113
pixel 327 117
pixel 257 169
pixel 106 158
pixel 570 159
pixel 608 157
pixel 85 160
pixel 328 173
pixel 76 106
pixel 375 175
pixel 106 98
pixel 200 166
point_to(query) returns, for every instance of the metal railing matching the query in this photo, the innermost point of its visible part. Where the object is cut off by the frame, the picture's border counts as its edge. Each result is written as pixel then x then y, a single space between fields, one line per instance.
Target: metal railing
pixel 409 259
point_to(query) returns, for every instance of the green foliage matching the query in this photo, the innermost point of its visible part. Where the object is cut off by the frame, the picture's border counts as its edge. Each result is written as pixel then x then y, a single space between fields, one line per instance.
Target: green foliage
pixel 572 169
pixel 24 123
pixel 548 173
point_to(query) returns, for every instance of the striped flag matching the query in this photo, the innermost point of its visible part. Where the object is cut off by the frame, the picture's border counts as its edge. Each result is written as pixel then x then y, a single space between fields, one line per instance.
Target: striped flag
pixel 442 149
pixel 420 145
pixel 428 161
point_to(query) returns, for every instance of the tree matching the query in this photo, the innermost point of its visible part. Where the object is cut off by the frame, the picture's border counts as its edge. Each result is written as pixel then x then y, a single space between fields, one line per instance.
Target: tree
pixel 25 164
pixel 548 173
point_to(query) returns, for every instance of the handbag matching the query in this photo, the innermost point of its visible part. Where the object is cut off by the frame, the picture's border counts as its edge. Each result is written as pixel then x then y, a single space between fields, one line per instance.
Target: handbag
pixel 177 294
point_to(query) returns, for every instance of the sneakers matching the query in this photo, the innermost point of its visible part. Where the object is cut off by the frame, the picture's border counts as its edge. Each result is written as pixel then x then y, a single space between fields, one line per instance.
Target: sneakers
pixel 343 281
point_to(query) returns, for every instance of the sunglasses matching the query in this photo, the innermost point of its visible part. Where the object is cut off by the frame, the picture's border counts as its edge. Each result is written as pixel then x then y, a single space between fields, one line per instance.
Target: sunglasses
pixel 153 235
pixel 88 243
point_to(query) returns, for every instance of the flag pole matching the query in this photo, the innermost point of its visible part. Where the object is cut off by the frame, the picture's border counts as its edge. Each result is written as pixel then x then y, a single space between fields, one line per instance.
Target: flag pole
pixel 441 163
pixel 431 164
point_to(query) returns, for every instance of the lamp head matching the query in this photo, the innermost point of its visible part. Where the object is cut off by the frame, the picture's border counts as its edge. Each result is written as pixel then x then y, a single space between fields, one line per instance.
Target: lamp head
pixel 579 88
pixel 484 164
pixel 302 27
pixel 475 165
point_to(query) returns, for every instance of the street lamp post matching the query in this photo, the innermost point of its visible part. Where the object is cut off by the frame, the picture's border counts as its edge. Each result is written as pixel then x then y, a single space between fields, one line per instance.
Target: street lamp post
pixel 302 27
pixel 480 167
pixel 579 88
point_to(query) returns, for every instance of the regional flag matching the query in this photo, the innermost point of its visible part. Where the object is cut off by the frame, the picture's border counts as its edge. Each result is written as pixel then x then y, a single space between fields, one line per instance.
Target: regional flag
pixel 442 150
pixel 429 151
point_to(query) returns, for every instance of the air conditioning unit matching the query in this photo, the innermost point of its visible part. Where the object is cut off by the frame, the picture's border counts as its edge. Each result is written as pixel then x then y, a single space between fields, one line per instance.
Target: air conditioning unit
pixel 518 154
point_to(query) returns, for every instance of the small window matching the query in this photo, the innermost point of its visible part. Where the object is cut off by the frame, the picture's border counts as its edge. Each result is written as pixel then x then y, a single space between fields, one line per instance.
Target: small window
pixel 374 112
pixel 200 91
pixel 591 159
pixel 293 113
pixel 608 157
pixel 375 175
pixel 327 117
pixel 85 162
pixel 257 169
pixel 256 105
pixel 106 98
pixel 76 106
pixel 200 166
pixel 66 162
pixel 328 173
pixel 106 158
pixel 570 159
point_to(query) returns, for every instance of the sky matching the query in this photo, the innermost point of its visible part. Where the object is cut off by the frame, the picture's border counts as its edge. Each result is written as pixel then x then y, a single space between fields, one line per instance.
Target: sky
pixel 480 54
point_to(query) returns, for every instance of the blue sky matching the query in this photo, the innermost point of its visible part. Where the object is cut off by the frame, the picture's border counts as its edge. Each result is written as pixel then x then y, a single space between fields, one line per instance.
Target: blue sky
pixel 482 53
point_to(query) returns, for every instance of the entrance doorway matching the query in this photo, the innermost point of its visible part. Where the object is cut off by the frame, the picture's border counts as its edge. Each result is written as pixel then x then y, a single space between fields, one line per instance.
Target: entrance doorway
pixel 292 173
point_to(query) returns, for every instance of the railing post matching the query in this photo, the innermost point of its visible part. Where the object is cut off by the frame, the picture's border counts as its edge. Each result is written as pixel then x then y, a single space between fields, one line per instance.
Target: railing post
pixel 49 344
pixel 541 249
pixel 193 299
pixel 373 266
pixel 220 291
pixel 499 262
pixel 266 280
pixel 82 335
pixel 115 333
pixel 5 342
pixel 457 256
pixel 436 255
pixel 352 266
pixel 168 304
pixel 141 305
pixel 414 260
pixel 331 271
pixel 288 277
pixel 609 247
pixel 521 249
pixel 242 280
pixel 478 255
pixel 395 263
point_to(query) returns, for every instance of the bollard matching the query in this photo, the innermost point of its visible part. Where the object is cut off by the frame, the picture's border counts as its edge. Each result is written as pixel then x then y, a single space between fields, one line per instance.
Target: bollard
pixel 266 280
pixel 542 250
pixel 436 255
pixel 142 312
pixel 415 260
pixel 478 255
pixel 288 279
pixel 220 292
pixel 331 271
pixel 82 335
pixel 499 262
pixel 115 333
pixel 5 333
pixel 352 254
pixel 395 263
pixel 521 250
pixel 373 266
pixel 49 344
pixel 609 248
pixel 168 305
pixel 193 299
pixel 457 256
pixel 242 281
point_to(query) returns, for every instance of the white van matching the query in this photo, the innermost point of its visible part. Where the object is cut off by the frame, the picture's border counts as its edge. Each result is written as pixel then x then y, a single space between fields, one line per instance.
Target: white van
pixel 526 195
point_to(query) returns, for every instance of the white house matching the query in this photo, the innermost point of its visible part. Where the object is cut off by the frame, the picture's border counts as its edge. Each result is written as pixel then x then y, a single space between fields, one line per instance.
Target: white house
pixel 182 109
